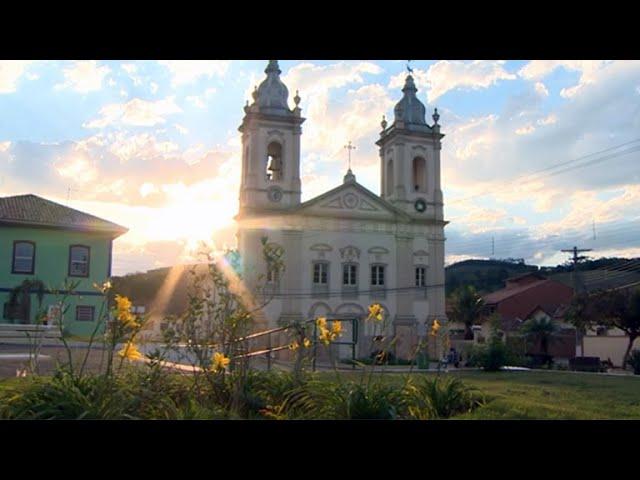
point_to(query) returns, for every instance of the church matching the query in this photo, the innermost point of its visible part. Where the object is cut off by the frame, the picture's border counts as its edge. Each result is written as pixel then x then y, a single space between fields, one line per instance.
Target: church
pixel 349 247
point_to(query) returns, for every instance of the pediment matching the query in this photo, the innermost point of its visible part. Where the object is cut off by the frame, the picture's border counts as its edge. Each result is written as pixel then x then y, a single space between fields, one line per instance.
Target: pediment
pixel 351 200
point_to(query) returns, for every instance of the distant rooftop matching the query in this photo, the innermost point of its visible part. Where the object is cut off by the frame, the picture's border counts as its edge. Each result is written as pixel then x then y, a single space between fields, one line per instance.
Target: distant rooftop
pixel 34 211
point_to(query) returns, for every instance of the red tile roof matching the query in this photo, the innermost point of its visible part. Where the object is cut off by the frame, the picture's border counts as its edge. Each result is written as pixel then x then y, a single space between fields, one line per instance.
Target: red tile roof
pixel 505 293
pixel 31 210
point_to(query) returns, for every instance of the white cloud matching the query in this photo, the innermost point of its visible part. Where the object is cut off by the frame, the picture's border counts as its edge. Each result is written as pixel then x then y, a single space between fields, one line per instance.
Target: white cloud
pixel 131 70
pixel 548 120
pixel 78 169
pixel 4 146
pixel 143 146
pixel 154 87
pixel 526 130
pixel 196 101
pixel 331 124
pixel 541 89
pixel 182 129
pixel 135 112
pixel 10 73
pixel 188 71
pixel 589 71
pixel 445 75
pixel 84 76
pixel 537 69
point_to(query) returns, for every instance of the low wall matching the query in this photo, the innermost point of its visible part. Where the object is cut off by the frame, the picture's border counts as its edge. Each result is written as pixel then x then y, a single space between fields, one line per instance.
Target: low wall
pixel 606 347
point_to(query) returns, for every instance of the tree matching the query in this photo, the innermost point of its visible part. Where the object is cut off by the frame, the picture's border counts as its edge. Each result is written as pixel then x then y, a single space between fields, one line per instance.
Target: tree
pixel 611 309
pixel 466 308
pixel 541 330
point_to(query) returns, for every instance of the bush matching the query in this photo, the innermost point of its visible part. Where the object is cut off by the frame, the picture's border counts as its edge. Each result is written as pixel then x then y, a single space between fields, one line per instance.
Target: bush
pixel 433 398
pixel 634 361
pixel 325 400
pixel 66 397
pixel 491 357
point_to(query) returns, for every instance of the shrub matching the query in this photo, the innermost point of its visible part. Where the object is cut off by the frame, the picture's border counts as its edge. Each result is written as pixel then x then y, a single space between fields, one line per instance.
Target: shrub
pixel 433 398
pixel 491 357
pixel 634 361
pixel 67 397
pixel 318 399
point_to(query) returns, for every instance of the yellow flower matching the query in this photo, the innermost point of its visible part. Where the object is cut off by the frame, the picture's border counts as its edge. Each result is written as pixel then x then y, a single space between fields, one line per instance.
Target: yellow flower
pixel 435 327
pixel 294 346
pixel 321 322
pixel 123 311
pixel 130 352
pixel 220 362
pixel 104 288
pixel 123 303
pixel 325 336
pixel 336 328
pixel 376 312
pixel 306 343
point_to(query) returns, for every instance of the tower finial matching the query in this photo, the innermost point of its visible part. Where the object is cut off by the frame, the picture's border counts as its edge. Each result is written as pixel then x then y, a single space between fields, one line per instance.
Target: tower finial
pixel 435 117
pixel 296 99
pixel 383 123
pixel 273 67
pixel 255 93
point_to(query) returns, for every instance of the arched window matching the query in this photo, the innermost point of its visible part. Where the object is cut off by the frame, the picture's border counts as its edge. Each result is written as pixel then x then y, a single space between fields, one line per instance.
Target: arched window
pixel 419 174
pixel 389 177
pixel 274 162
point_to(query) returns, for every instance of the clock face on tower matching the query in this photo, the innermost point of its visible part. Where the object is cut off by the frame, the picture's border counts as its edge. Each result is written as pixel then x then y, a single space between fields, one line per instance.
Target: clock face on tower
pixel 274 194
pixel 420 205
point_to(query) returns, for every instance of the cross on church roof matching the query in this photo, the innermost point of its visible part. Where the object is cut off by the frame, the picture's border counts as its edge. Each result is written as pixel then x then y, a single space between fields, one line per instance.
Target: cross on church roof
pixel 409 69
pixel 350 147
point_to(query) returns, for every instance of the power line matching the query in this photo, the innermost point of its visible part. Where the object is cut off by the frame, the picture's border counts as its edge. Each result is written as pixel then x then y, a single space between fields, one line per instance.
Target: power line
pixel 521 178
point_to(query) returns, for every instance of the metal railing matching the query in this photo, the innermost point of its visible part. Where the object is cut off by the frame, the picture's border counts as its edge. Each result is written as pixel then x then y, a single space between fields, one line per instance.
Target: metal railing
pixel 270 349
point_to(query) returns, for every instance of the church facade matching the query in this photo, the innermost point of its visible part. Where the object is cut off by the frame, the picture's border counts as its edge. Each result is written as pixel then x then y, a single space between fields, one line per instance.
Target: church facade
pixel 349 247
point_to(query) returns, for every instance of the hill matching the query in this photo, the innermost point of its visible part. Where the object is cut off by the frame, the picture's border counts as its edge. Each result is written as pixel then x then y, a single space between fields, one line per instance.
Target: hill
pixel 485 275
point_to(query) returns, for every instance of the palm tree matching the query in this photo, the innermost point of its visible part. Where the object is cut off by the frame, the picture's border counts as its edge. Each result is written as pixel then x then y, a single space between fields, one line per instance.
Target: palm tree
pixel 541 330
pixel 466 308
pixel 20 297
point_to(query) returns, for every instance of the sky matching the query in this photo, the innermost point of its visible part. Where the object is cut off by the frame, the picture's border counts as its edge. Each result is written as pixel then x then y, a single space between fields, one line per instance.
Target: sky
pixel 538 156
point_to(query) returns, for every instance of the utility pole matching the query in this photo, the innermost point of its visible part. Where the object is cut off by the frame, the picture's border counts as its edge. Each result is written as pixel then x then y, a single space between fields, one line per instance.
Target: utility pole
pixel 576 258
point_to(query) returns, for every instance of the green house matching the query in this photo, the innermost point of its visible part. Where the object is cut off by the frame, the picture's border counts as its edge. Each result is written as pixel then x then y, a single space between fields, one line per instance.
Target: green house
pixel 43 246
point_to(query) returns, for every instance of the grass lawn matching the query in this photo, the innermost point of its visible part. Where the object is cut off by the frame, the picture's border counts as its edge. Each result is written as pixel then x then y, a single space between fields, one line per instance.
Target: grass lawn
pixel 549 395
pixel 529 395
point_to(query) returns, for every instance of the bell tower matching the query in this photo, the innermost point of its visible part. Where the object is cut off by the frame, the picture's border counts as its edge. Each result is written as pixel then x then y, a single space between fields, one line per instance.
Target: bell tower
pixel 270 147
pixel 410 158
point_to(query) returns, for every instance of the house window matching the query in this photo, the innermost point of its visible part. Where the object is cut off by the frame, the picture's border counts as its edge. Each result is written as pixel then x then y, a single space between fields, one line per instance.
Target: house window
pixel 79 261
pixel 377 275
pixel 24 254
pixel 421 275
pixel 84 313
pixel 274 162
pixel 320 273
pixel 349 275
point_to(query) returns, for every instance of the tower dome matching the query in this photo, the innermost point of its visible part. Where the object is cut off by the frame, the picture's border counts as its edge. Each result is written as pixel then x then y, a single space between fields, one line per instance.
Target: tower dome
pixel 409 109
pixel 272 94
